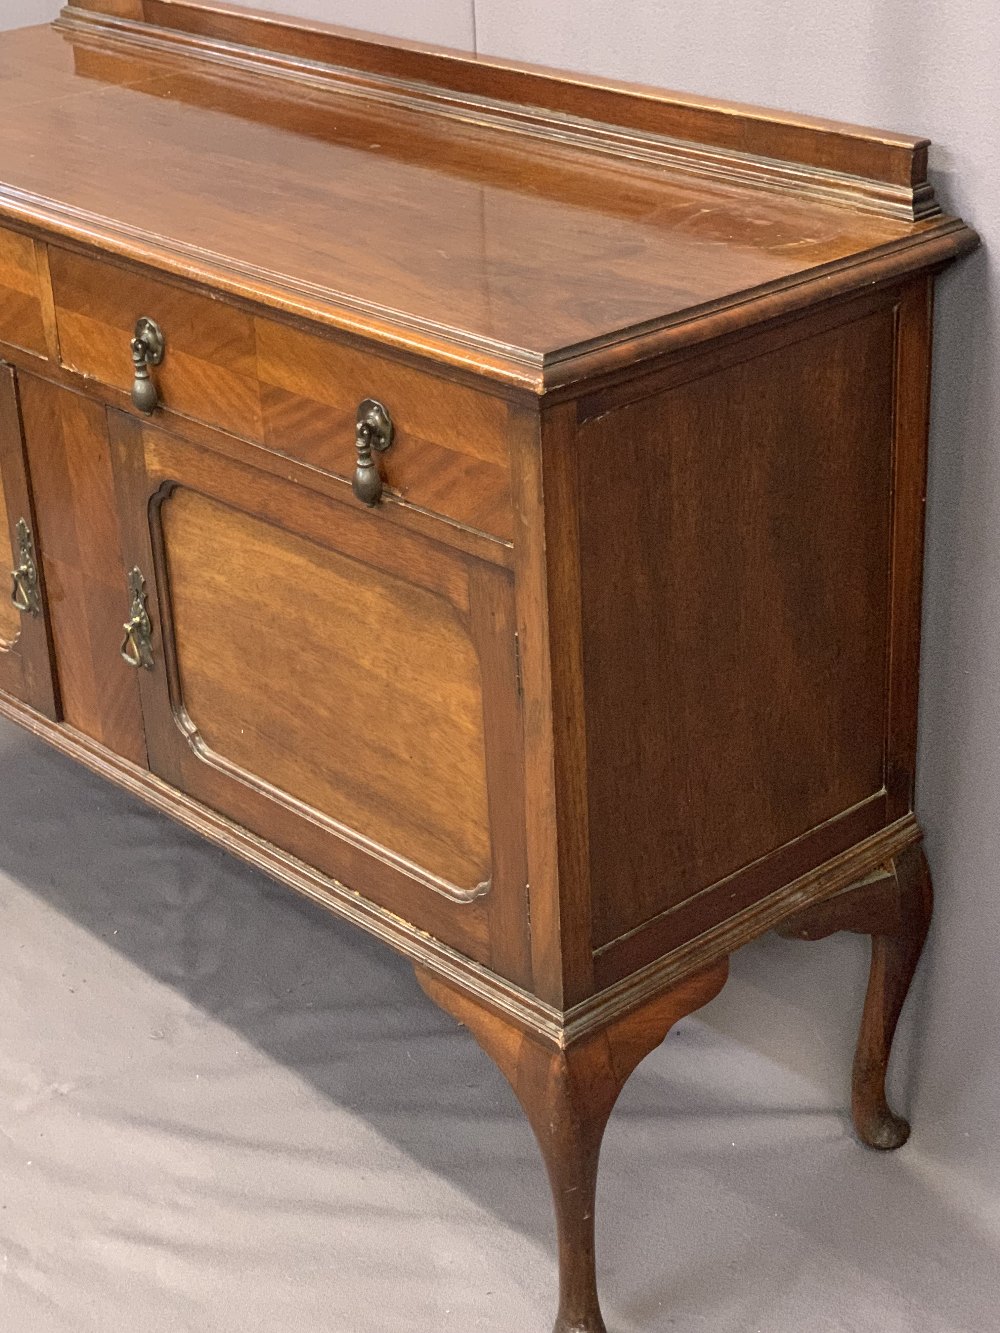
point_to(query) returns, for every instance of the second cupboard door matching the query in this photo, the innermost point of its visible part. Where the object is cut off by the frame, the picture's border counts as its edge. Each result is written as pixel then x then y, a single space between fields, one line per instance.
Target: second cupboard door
pixel 333 683
pixel 25 651
pixel 73 491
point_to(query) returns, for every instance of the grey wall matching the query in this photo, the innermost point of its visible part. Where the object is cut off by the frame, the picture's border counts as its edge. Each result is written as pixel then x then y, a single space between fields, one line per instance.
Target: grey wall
pixel 19 13
pixel 910 65
pixel 446 22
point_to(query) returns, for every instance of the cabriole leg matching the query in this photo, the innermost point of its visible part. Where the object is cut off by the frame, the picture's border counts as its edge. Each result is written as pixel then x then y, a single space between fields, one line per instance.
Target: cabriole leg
pixel 895 909
pixel 568 1094
pixel 894 961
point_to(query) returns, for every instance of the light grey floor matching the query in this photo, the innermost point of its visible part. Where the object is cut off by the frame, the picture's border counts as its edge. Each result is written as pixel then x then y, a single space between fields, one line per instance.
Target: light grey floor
pixel 222 1110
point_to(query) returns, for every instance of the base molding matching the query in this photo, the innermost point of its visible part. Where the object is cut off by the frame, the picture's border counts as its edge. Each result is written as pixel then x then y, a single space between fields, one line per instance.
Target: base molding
pixel 561 1028
pixel 832 877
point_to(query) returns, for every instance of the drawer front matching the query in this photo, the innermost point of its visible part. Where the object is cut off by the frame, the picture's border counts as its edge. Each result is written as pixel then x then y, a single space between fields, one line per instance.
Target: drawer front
pixel 21 319
pixel 295 392
pixel 342 688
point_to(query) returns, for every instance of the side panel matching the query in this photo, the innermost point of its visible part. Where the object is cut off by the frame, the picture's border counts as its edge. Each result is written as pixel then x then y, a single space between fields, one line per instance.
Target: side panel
pixel 736 660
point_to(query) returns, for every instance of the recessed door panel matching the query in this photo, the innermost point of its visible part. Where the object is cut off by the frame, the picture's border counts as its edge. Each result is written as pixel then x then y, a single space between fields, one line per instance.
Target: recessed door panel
pixel 341 687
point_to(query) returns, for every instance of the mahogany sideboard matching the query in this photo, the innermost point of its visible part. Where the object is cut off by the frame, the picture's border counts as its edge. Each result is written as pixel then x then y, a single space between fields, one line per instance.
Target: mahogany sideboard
pixel 488 499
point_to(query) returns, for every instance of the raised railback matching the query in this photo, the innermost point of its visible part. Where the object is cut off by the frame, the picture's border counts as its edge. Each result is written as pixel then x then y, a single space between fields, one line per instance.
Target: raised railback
pixel 871 169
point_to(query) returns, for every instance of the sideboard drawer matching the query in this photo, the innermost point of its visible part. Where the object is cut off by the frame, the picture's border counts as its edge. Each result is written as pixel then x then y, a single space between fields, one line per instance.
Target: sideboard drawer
pixel 294 391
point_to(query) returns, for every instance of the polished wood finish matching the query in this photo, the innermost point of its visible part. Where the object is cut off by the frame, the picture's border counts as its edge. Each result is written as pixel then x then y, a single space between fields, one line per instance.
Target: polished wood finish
pixel 728 135
pixel 375 733
pixel 530 259
pixel 394 512
pixel 568 1093
pixel 10 619
pixel 894 908
pixel 760 555
pixel 896 949
pixel 25 648
pixel 332 686
pixel 66 436
pixel 621 670
pixel 294 392
pixel 21 294
pixel 912 410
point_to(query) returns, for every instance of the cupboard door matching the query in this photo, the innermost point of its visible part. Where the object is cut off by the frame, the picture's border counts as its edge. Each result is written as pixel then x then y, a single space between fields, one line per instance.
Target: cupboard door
pixel 69 458
pixel 346 690
pixel 25 656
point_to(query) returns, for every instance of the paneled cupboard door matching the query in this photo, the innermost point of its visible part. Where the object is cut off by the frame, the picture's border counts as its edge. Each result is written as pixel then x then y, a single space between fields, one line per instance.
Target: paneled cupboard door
pixel 340 687
pixel 25 653
pixel 73 490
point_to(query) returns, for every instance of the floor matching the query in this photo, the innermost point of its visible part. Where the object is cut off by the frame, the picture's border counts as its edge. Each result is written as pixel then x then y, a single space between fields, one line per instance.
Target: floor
pixel 222 1110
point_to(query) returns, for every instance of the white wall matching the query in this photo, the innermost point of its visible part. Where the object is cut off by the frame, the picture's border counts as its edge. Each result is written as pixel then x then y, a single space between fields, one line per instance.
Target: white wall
pixel 920 68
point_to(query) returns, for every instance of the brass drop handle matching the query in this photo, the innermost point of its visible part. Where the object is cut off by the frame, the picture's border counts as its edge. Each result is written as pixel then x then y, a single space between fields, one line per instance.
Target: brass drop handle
pixel 137 646
pixel 25 594
pixel 148 347
pixel 374 432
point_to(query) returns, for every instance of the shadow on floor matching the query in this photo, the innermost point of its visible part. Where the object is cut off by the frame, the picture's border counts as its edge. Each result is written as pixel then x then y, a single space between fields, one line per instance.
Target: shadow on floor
pixel 732 1195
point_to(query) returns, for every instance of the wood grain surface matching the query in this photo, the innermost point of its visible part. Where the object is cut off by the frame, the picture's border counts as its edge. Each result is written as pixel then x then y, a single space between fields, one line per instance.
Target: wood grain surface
pixel 894 907
pixel 290 390
pixel 21 320
pixel 806 141
pixel 568 1093
pixel 355 693
pixel 66 436
pixel 738 661
pixel 344 689
pixel 10 619
pixel 622 672
pixel 26 670
pixel 511 251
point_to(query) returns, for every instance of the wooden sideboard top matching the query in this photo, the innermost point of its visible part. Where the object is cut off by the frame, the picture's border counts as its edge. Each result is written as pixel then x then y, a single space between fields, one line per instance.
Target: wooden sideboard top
pixel 531 226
